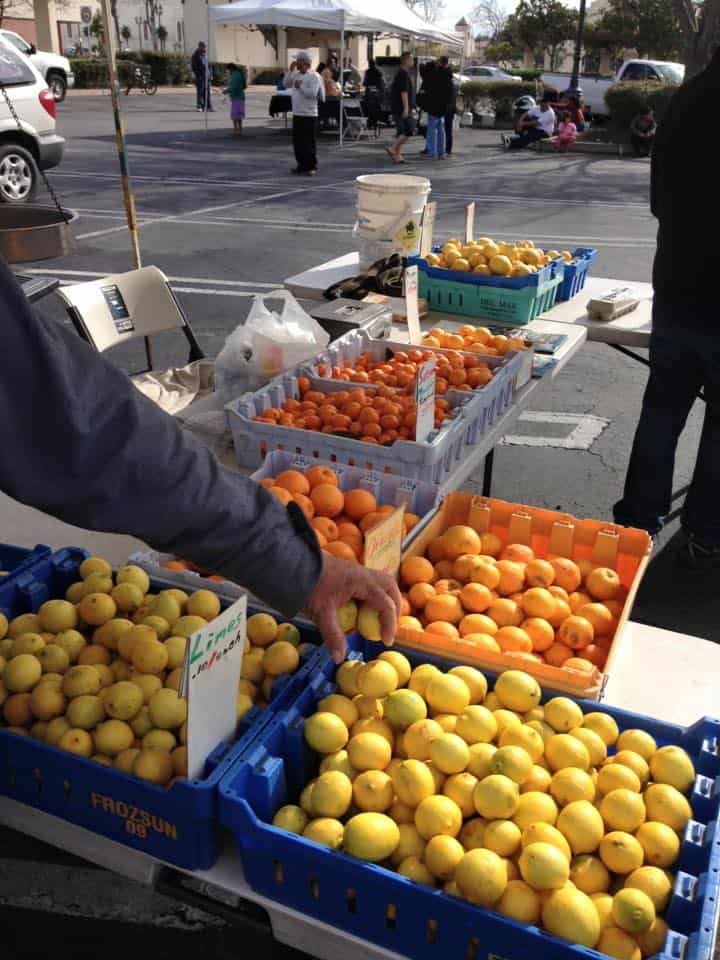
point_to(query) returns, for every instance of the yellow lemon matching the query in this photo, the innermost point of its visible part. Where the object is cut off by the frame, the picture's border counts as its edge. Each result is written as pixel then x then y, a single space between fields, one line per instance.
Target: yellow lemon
pixel 291 818
pixel 402 708
pixel 517 690
pixel 500 265
pixel 450 753
pixel 331 795
pixel 620 852
pixel 639 741
pixel 414 869
pixel 325 732
pixel 413 782
pixel 562 751
pixel 633 910
pixel 421 676
pixel 341 706
pixel 589 874
pixel 540 832
pixel 261 629
pixel 654 882
pixel 372 791
pixel 571 784
pixel 280 657
pixel 638 764
pixel 622 809
pixel 660 843
pixel 512 762
pixel 563 714
pixel 520 902
pixel 460 788
pixel 338 761
pixel 371 836
pixel 569 913
pixel 496 797
pixel 346 677
pixel 481 876
pixel 476 724
pixel 400 663
pixel 418 738
pixel 447 693
pixel 652 940
pixel 473 680
pixel 410 844
pixel 594 744
pixel 326 831
pixel 525 737
pixel 502 837
pixel 603 904
pixel 672 765
pixel 534 807
pixel 481 755
pixel 369 751
pixel 472 833
pixel 614 942
pixel 538 781
pixel 581 825
pixel 666 804
pixel 543 866
pixel 442 855
pixel 377 679
pixel 438 815
pixel 614 776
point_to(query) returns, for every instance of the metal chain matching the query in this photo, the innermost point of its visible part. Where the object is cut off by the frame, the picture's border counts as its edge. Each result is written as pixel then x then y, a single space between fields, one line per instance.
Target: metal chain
pixel 49 189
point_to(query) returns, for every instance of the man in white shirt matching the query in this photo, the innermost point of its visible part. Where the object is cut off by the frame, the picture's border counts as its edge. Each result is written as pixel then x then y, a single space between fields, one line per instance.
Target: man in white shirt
pixel 537 124
pixel 306 88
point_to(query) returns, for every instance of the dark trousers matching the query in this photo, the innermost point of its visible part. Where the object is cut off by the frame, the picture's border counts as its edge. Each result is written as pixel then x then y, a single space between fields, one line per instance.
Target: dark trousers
pixel 641 145
pixel 304 145
pixel 449 117
pixel 524 139
pixel 682 361
pixel 200 89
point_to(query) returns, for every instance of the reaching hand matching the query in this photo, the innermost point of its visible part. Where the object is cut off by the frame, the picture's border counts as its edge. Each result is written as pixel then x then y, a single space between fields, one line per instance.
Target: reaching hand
pixel 343 580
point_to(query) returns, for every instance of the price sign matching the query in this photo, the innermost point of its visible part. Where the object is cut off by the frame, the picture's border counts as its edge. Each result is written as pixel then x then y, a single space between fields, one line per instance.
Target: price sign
pixel 211 674
pixel 469 222
pixel 411 304
pixel 425 400
pixel 383 543
pixel 428 224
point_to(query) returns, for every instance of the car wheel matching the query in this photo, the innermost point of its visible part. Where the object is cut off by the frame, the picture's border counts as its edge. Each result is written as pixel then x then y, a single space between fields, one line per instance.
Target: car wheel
pixel 18 174
pixel 58 86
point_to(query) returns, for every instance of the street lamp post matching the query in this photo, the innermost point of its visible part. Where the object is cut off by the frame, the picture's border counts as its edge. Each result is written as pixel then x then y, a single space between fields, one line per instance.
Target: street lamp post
pixel 575 77
pixel 138 24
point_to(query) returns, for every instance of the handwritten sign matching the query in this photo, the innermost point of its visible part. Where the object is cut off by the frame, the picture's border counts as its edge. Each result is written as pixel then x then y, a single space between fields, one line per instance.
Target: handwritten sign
pixel 469 222
pixel 211 674
pixel 383 543
pixel 411 304
pixel 425 400
pixel 428 224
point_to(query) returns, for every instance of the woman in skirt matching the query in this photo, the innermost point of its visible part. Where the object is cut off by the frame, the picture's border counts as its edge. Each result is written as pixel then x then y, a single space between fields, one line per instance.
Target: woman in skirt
pixel 236 91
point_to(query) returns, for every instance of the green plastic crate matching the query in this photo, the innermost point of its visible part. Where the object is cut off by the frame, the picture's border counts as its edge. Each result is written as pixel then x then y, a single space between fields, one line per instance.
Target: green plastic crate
pixel 494 304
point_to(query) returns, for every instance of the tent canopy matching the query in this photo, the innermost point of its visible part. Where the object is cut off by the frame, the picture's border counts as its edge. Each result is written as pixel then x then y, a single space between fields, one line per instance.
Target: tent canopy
pixel 356 16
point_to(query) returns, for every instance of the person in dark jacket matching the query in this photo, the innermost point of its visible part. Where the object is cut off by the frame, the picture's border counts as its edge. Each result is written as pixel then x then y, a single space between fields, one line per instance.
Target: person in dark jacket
pixel 642 133
pixel 83 444
pixel 685 339
pixel 450 115
pixel 438 95
pixel 374 78
pixel 203 78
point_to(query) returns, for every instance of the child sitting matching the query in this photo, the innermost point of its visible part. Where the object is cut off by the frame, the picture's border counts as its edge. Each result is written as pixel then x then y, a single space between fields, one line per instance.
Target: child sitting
pixel 566 133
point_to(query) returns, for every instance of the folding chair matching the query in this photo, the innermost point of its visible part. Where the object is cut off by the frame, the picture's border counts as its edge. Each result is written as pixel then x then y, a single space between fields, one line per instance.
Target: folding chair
pixel 356 123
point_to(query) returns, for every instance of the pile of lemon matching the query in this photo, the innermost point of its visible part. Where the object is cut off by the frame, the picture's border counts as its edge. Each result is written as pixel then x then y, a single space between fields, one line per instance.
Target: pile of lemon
pixel 513 805
pixel 97 673
pixel 272 650
pixel 491 258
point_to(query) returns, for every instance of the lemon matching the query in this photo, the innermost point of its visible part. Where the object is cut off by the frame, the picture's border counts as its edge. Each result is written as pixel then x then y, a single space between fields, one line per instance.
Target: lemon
pixel 57 615
pixel 400 664
pixel 581 825
pixel 659 842
pixel 538 781
pixel 652 940
pixel 517 690
pixel 371 836
pixel 621 852
pixel 472 833
pixel 639 766
pixel 27 643
pixel 438 776
pixel 86 712
pixel 306 797
pixel 280 657
pixel 153 765
pixel 520 902
pixel 500 265
pixel 167 710
pixel 325 732
pixel 589 874
pixel 673 766
pixel 666 804
pixel 496 797
pixel 123 700
pixel 614 776
pixel 594 744
pixel 113 736
pixel 331 795
pixel 603 905
pixel 448 721
pixel 203 603
pixel 377 678
pixel 22 673
pixel 460 788
pixel 125 759
pixel 94 565
pixel 410 844
pixel 374 725
pixel 413 782
pixel 654 882
pixel 543 866
pixel 481 876
pixel 326 831
pixel 419 736
pixel 47 701
pixel 506 718
pixel 476 724
pixel 160 740
pixel 512 762
pixel 402 708
pixel 526 737
pixel 541 832
pixel 563 714
pixel 570 784
pixel 534 807
pixel 291 818
pixel 261 629
pixel 442 855
pixel 502 837
pixel 290 633
pixel 562 751
pixel 421 676
pixel 341 706
pixel 368 707
pixel 622 809
pixel 338 761
pixel 569 913
pixel 132 574
pixel 438 815
pixel 447 693
pixel 473 680
pixel 633 910
pixel 97 608
pixel 167 608
pixel 25 623
pixel 638 741
pixel 369 751
pixel 346 677
pixel 614 942
pixel 449 753
pixel 414 869
pixel 401 813
pixel 372 791
pixel 481 755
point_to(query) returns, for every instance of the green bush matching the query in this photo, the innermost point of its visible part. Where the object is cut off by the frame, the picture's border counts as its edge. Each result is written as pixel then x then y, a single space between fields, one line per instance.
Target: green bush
pixel 527 75
pixel 166 69
pixel 89 72
pixel 626 100
pixel 267 77
pixel 500 95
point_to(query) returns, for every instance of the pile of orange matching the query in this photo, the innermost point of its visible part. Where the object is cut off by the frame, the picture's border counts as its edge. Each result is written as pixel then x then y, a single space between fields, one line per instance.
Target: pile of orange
pixel 185 565
pixel 453 371
pixel 475 339
pixel 340 520
pixel 506 600
pixel 374 416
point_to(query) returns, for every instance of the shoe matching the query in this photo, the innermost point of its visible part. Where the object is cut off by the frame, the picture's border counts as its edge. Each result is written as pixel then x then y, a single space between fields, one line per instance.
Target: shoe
pixel 695 555
pixel 310 173
pixel 296 170
pixel 423 152
pixel 505 138
pixel 199 109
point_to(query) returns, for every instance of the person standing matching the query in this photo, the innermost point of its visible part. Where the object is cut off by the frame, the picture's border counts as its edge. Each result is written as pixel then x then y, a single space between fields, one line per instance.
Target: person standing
pixel 438 95
pixel 203 77
pixel 537 124
pixel 236 91
pixel 402 97
pixel 684 343
pixel 306 88
pixel 449 118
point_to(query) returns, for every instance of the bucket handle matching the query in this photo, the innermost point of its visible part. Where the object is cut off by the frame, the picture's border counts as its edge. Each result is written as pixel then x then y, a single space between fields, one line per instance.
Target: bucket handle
pixel 395 224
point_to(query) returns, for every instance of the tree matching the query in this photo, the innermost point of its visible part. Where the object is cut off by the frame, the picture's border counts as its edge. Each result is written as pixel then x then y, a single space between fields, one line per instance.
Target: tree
pixel 114 15
pixel 152 16
pixel 15 8
pixel 543 25
pixel 429 10
pixel 97 29
pixel 649 26
pixel 489 18
pixel 502 52
pixel 126 34
pixel 162 36
pixel 700 27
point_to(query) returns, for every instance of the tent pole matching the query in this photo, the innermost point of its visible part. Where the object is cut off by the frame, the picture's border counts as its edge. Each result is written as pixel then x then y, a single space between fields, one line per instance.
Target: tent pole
pixel 342 51
pixel 207 65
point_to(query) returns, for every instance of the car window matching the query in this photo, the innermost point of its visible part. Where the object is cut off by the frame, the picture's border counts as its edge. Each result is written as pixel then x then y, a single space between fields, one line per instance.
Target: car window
pixel 671 72
pixel 16 41
pixel 14 70
pixel 635 71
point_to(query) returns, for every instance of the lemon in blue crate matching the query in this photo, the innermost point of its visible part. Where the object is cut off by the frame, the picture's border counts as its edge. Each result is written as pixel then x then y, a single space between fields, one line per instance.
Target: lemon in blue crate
pixel 536 810
pixel 96 672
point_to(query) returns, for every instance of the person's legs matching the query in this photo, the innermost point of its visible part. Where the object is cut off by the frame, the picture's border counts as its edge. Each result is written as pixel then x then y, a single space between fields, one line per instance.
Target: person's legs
pixel 448 124
pixel 199 93
pixel 440 138
pixel 312 144
pixel 297 141
pixel 433 130
pixel 519 142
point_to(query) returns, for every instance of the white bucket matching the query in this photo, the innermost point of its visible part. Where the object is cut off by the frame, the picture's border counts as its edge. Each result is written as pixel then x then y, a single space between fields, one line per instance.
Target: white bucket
pixel 389 213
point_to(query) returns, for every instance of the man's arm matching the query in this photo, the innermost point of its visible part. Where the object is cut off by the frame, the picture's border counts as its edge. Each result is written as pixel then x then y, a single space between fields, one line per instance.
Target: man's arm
pixel 405 100
pixel 80 442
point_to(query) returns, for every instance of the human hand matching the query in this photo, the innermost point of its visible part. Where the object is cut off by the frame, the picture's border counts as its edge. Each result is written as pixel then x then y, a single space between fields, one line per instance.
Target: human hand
pixel 343 580
pixel 405 114
pixel 298 83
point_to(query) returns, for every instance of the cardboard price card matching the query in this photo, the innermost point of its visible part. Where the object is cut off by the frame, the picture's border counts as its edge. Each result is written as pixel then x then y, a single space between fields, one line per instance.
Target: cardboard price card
pixel 425 400
pixel 469 222
pixel 428 224
pixel 383 543
pixel 211 675
pixel 411 304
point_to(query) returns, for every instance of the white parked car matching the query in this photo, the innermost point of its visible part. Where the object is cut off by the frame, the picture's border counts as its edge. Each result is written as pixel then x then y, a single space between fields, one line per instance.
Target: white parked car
pixel 489 74
pixel 632 71
pixel 28 140
pixel 54 68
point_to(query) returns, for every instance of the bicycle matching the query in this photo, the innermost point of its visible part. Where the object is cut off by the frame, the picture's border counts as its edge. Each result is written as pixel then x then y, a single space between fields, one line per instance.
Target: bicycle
pixel 140 77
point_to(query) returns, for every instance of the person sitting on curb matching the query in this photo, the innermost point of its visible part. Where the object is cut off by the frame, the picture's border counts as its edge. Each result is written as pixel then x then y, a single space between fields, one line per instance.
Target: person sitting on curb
pixel 566 133
pixel 642 133
pixel 537 124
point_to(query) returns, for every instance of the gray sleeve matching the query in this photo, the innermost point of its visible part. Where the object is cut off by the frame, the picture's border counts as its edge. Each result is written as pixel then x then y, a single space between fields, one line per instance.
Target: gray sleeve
pixel 78 441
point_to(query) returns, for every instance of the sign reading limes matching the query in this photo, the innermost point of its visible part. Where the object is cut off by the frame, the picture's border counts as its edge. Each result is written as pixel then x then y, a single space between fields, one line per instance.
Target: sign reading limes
pixel 425 400
pixel 383 543
pixel 211 675
pixel 469 222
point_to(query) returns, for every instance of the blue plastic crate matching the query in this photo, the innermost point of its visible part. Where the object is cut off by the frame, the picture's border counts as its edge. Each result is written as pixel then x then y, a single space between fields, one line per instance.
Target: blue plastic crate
pixel 177 824
pixel 378 905
pixel 576 273
pixel 13 560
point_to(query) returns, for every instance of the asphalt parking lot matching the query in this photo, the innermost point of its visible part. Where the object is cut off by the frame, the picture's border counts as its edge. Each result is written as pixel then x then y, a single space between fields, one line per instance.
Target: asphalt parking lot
pixel 224 219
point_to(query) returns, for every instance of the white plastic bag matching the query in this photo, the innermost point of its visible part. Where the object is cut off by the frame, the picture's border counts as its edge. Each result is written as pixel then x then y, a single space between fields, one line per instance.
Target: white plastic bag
pixel 267 344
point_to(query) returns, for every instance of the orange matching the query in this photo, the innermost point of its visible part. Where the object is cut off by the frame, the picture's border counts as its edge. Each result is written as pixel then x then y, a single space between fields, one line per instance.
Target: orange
pixel 356 546
pixel 477 623
pixel 267 482
pixel 602 620
pixel 518 552
pixel 349 532
pixel 321 539
pixel 475 597
pixel 405 610
pixel 416 570
pixel 443 569
pixel 485 571
pixel 506 612
pixel 615 607
pixel 370 519
pixel 420 593
pixel 513 639
pixel 436 550
pixel 467 566
pixel 409 623
pixel 327 500
pixel 539 573
pixel 305 504
pixel 444 607
pixel 294 481
pixel 340 549
pixel 575 632
pixel 557 654
pixel 567 573
pixel 595 654
pixel 411 520
pixel 448 585
pixel 562 612
pixel 538 602
pixel 491 544
pixel 559 592
pixel 283 495
pixel 358 503
pixel 579 663
pixel 540 632
pixel 602 583
pixel 577 599
pixel 317 475
pixel 443 629
pixel 460 539
pixel 512 577
pixel 483 640
pixel 326 527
